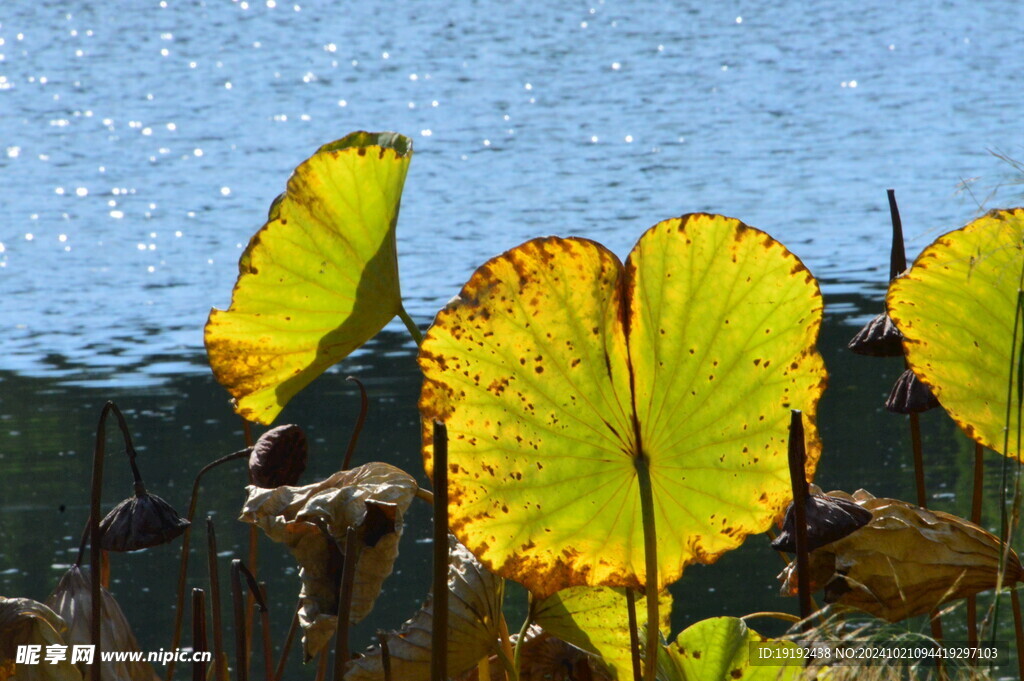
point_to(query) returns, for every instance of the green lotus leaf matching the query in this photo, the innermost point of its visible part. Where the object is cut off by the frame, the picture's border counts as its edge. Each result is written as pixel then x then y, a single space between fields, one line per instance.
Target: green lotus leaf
pixel 596 619
pixel 557 370
pixel 718 649
pixel 956 308
pixel 318 280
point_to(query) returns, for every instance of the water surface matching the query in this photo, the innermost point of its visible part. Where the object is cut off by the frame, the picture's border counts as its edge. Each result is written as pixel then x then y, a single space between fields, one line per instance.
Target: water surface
pixel 140 148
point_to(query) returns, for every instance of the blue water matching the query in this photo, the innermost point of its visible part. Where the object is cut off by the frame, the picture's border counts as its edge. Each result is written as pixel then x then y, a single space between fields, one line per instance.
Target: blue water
pixel 141 144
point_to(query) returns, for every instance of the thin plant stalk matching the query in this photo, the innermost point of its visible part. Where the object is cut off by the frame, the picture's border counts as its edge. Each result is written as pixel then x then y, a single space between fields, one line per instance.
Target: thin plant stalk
pixel 183 561
pixel 254 554
pixel 241 655
pixel 321 666
pixel 439 626
pixel 505 654
pixel 268 649
pixel 342 653
pixel 95 552
pixel 634 637
pixel 915 443
pixel 521 639
pixel 972 600
pixel 219 656
pixel 643 476
pixel 199 634
pixel 483 669
pixel 798 481
pixel 385 656
pixel 364 407
pixel 414 330
pixel 288 640
pixel 897 265
pixel 1018 631
pixel 242 638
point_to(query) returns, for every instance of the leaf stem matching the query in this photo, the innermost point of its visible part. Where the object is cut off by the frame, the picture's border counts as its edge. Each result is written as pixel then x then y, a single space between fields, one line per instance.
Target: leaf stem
pixel 183 561
pixel 634 638
pixel 439 626
pixel 798 481
pixel 518 654
pixel 643 477
pixel 364 406
pixel 414 330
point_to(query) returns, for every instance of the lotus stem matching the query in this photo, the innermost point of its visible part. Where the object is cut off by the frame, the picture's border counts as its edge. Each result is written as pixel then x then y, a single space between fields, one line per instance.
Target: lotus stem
pixel 972 600
pixel 414 330
pixel 321 666
pixel 643 477
pixel 183 562
pixel 238 570
pixel 198 633
pixel 1018 631
pixel 798 481
pixel 268 649
pixel 439 626
pixel 289 639
pixel 518 653
pixel 634 636
pixel 342 654
pixel 385 656
pixel 364 407
pixel 219 656
pixel 483 669
pixel 95 552
pixel 784 616
pixel 505 653
pixel 241 655
pixel 253 560
pixel 897 255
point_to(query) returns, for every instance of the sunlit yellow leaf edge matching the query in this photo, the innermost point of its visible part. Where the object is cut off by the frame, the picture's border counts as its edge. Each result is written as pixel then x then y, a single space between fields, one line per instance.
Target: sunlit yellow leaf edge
pixel 596 619
pixel 318 280
pixel 955 308
pixel 718 649
pixel 437 403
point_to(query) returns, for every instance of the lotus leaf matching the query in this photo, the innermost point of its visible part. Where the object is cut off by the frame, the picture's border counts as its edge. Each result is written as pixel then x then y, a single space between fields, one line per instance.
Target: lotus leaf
pixel 546 658
pixel 474 609
pixel 907 561
pixel 24 621
pixel 373 498
pixel 72 600
pixel 718 649
pixel 318 280
pixel 559 372
pixel 956 308
pixel 596 619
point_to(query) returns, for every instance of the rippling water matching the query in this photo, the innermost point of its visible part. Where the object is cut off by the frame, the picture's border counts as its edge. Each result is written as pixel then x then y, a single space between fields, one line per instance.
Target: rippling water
pixel 140 146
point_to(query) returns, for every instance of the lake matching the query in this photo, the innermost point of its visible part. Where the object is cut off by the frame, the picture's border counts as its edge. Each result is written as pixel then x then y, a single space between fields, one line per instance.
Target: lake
pixel 141 145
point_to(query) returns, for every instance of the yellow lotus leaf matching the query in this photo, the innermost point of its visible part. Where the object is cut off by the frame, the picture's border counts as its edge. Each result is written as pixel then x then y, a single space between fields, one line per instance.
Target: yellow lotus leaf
pixel 72 600
pixel 372 498
pixel 559 372
pixel 25 622
pixel 957 310
pixel 907 561
pixel 718 649
pixel 318 280
pixel 596 620
pixel 474 609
